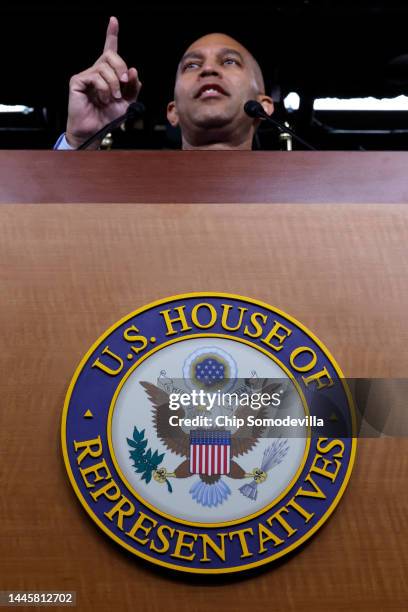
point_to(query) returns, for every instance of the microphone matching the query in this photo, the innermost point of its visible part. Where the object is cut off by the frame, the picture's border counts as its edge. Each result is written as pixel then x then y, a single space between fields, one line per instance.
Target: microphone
pixel 254 109
pixel 133 110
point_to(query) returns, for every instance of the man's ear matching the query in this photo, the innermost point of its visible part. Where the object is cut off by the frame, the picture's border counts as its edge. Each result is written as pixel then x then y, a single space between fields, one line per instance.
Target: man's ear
pixel 172 114
pixel 267 103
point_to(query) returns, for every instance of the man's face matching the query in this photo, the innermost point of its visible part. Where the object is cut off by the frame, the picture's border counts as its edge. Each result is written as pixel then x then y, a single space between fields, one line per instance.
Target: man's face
pixel 216 76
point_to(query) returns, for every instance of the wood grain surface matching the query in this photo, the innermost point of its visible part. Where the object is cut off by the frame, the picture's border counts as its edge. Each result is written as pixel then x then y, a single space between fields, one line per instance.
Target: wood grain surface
pixel 70 271
pixel 203 176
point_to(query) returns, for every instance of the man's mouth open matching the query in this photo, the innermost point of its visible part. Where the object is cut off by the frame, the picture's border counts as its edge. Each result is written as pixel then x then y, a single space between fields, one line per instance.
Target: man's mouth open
pixel 209 91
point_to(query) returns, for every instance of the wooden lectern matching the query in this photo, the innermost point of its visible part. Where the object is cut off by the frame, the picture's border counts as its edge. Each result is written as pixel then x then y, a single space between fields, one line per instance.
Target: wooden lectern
pixel 86 238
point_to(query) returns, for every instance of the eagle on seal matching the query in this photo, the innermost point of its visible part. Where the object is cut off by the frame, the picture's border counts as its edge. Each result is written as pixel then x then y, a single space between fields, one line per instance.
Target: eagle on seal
pixel 209 490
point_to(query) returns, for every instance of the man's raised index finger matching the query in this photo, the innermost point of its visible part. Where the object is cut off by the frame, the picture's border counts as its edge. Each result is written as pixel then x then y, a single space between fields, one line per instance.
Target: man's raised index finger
pixel 111 41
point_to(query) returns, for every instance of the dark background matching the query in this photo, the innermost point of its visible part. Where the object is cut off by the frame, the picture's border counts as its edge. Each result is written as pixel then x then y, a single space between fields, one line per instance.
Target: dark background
pixel 318 48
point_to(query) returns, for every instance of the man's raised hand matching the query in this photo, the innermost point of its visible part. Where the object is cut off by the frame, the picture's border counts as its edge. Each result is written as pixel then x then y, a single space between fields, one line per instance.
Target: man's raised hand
pixel 101 93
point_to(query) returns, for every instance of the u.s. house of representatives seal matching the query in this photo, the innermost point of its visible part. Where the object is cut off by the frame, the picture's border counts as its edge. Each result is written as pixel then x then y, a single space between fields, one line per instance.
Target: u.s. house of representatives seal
pixel 194 433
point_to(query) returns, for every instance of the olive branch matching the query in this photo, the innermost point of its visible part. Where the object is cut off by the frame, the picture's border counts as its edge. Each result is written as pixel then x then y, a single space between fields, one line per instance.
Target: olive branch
pixel 145 462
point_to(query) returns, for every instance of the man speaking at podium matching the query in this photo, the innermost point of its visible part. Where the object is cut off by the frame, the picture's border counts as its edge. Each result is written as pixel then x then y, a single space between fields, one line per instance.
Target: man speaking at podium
pixel 214 79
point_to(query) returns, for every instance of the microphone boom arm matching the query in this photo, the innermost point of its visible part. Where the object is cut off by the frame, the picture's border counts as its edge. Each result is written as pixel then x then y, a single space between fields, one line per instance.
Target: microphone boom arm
pixel 134 109
pixel 253 108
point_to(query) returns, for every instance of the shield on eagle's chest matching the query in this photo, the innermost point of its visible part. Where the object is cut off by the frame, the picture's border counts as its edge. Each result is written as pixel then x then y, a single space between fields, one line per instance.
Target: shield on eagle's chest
pixel 210 451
